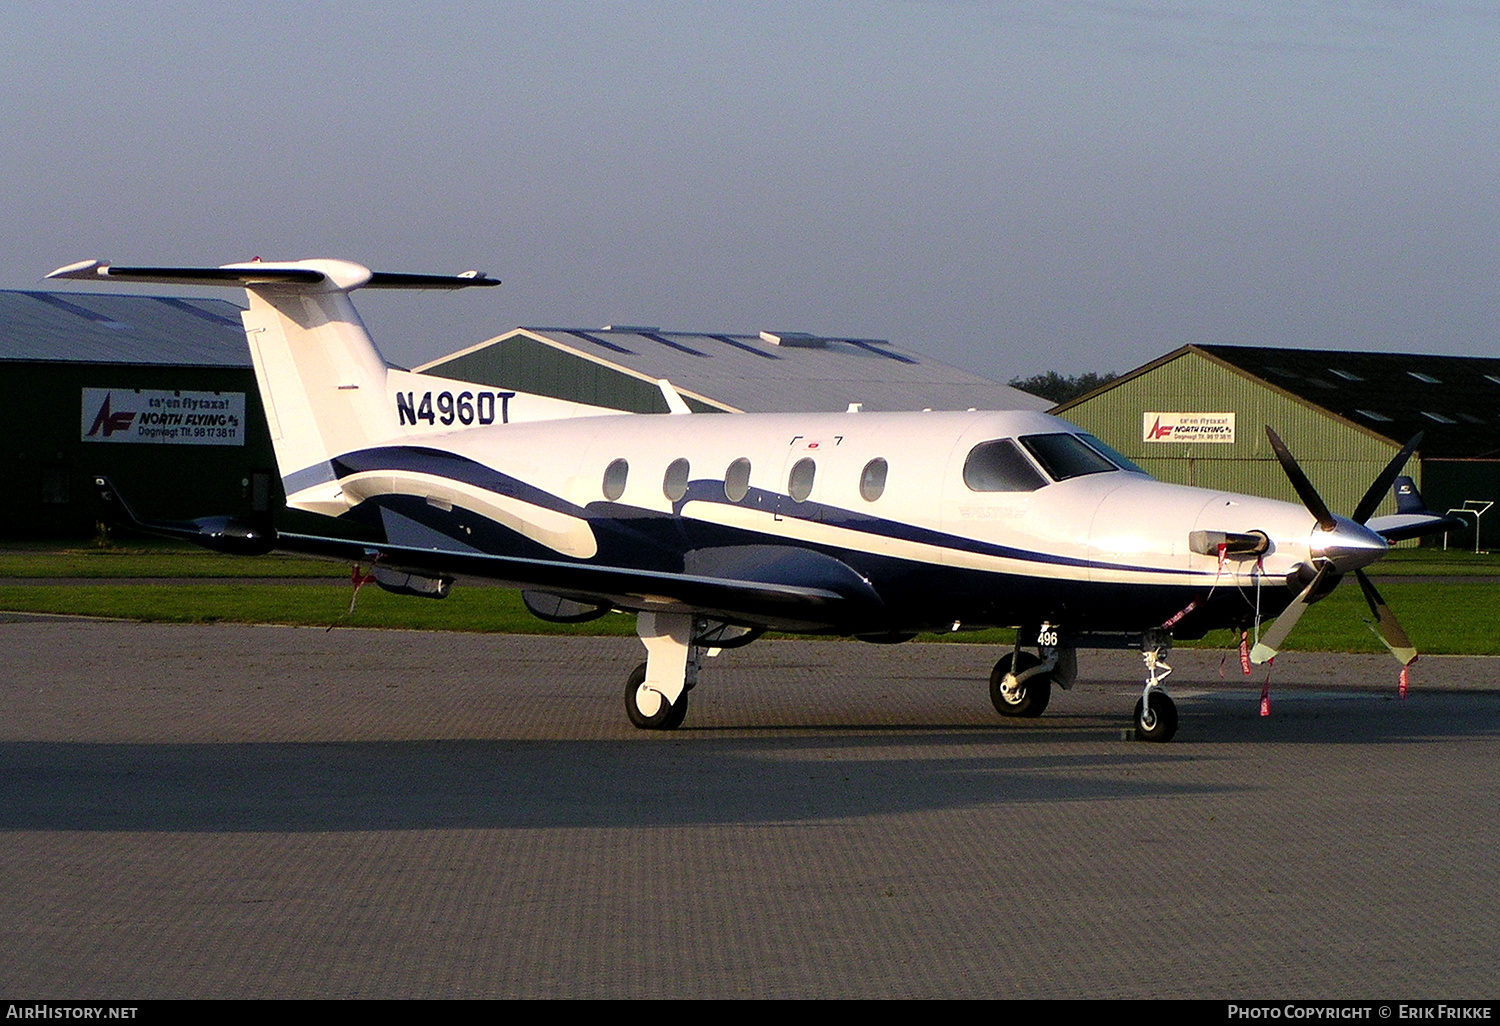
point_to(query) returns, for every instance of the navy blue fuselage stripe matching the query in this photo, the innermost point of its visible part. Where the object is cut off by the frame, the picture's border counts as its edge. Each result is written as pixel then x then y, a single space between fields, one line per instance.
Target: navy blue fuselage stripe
pixel 307 477
pixel 837 516
pixel 417 459
pixel 421 460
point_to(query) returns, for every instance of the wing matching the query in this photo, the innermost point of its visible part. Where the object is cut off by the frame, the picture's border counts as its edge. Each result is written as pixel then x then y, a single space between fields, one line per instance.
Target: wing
pixel 762 586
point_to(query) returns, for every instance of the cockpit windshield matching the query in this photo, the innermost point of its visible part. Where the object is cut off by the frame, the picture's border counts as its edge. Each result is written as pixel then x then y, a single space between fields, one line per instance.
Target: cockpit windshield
pixel 1001 466
pixel 1064 456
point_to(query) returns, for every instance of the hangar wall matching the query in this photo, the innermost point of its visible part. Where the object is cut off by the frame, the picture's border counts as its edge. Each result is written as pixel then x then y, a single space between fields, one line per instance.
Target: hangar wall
pixel 50 461
pixel 1340 459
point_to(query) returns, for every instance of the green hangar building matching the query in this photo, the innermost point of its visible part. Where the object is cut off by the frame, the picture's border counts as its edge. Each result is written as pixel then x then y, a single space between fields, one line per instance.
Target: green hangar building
pixel 1198 416
pixel 155 392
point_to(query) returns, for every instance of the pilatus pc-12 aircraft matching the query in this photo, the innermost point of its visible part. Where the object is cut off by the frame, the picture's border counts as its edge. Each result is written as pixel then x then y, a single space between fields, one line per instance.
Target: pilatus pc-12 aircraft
pixel 713 528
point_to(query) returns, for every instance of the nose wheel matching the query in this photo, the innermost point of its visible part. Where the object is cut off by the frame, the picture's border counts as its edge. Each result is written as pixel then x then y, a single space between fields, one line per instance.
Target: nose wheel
pixel 1155 717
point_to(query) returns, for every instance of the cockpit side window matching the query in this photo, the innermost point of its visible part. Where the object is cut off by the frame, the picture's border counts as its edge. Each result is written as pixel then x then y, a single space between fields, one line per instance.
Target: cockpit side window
pixel 999 466
pixel 1065 456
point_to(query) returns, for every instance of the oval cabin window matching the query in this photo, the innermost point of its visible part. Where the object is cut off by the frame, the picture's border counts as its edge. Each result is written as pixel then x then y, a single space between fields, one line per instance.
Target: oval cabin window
pixel 614 479
pixel 737 480
pixel 799 482
pixel 674 483
pixel 872 479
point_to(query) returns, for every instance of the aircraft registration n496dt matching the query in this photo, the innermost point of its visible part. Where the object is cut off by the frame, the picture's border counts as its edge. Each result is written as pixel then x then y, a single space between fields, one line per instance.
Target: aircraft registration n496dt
pixel 713 528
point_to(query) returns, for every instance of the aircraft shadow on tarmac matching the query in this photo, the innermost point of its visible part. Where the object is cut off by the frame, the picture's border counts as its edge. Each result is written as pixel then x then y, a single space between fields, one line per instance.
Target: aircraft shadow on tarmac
pixel 533 784
pixel 695 777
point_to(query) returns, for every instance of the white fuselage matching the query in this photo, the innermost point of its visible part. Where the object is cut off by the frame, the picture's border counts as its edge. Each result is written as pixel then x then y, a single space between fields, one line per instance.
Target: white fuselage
pixel 1118 529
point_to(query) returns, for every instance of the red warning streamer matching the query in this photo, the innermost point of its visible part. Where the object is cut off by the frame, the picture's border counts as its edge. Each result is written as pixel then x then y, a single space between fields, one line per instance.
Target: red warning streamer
pixel 359 579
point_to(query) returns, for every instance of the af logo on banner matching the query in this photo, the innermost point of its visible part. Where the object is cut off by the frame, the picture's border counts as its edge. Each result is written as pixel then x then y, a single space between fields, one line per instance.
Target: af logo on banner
pixel 171 418
pixel 1216 428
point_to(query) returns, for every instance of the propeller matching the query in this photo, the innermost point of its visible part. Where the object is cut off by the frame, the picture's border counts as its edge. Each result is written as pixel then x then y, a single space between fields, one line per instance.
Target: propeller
pixel 1346 546
pixel 1386 627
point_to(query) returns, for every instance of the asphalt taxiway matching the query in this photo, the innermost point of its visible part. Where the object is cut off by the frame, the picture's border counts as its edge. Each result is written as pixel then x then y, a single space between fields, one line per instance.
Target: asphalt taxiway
pixel 278 812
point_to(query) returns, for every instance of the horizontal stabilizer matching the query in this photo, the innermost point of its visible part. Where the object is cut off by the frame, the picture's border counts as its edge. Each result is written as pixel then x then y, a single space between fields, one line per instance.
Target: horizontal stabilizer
pixel 318 274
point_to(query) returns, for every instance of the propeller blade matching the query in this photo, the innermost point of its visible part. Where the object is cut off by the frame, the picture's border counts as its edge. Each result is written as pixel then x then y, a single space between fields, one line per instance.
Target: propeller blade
pixel 1305 491
pixel 1382 484
pixel 1386 628
pixel 1270 643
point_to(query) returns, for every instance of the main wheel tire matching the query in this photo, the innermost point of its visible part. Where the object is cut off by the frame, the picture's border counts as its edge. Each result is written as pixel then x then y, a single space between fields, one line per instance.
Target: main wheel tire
pixel 1036 690
pixel 1162 717
pixel 668 716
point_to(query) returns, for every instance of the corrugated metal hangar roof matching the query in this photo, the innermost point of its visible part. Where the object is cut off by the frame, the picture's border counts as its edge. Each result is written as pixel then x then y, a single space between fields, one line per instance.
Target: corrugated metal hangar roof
pixel 615 367
pixel 81 327
pixel 772 371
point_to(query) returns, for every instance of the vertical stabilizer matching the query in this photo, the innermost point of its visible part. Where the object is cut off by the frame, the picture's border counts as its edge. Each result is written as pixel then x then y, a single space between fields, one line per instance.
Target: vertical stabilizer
pixel 322 381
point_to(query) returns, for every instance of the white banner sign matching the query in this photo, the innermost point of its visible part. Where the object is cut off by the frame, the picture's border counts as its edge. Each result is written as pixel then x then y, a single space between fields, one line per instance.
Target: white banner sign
pixel 175 418
pixel 1187 427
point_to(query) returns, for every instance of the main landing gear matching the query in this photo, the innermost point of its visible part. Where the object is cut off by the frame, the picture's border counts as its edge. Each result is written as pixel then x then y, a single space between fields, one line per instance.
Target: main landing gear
pixel 1021 683
pixel 656 692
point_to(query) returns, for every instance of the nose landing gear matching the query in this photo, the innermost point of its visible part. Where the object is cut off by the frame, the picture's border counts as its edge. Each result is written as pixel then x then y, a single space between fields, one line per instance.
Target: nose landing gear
pixel 1155 712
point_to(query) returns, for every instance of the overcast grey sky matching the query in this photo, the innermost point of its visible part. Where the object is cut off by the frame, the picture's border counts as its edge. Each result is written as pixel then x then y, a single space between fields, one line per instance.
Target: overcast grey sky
pixel 1011 187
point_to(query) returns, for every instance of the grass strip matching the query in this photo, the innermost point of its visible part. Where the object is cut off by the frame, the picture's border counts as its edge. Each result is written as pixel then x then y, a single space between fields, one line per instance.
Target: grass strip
pixel 104 564
pixel 1447 618
pixel 496 610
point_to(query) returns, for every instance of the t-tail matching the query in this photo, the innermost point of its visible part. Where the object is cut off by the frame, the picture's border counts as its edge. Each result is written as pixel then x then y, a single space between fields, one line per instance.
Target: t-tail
pixel 325 387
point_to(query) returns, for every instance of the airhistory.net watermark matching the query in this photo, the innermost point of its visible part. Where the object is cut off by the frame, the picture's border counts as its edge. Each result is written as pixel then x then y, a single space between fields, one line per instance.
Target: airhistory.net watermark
pixel 52 1011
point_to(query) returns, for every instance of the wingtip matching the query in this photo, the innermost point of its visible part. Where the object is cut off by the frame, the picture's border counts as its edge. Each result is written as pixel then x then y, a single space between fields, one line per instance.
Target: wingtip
pixel 82 269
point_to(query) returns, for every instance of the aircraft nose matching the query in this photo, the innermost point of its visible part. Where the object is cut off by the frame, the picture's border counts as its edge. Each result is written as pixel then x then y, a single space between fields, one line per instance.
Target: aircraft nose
pixel 1348 546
